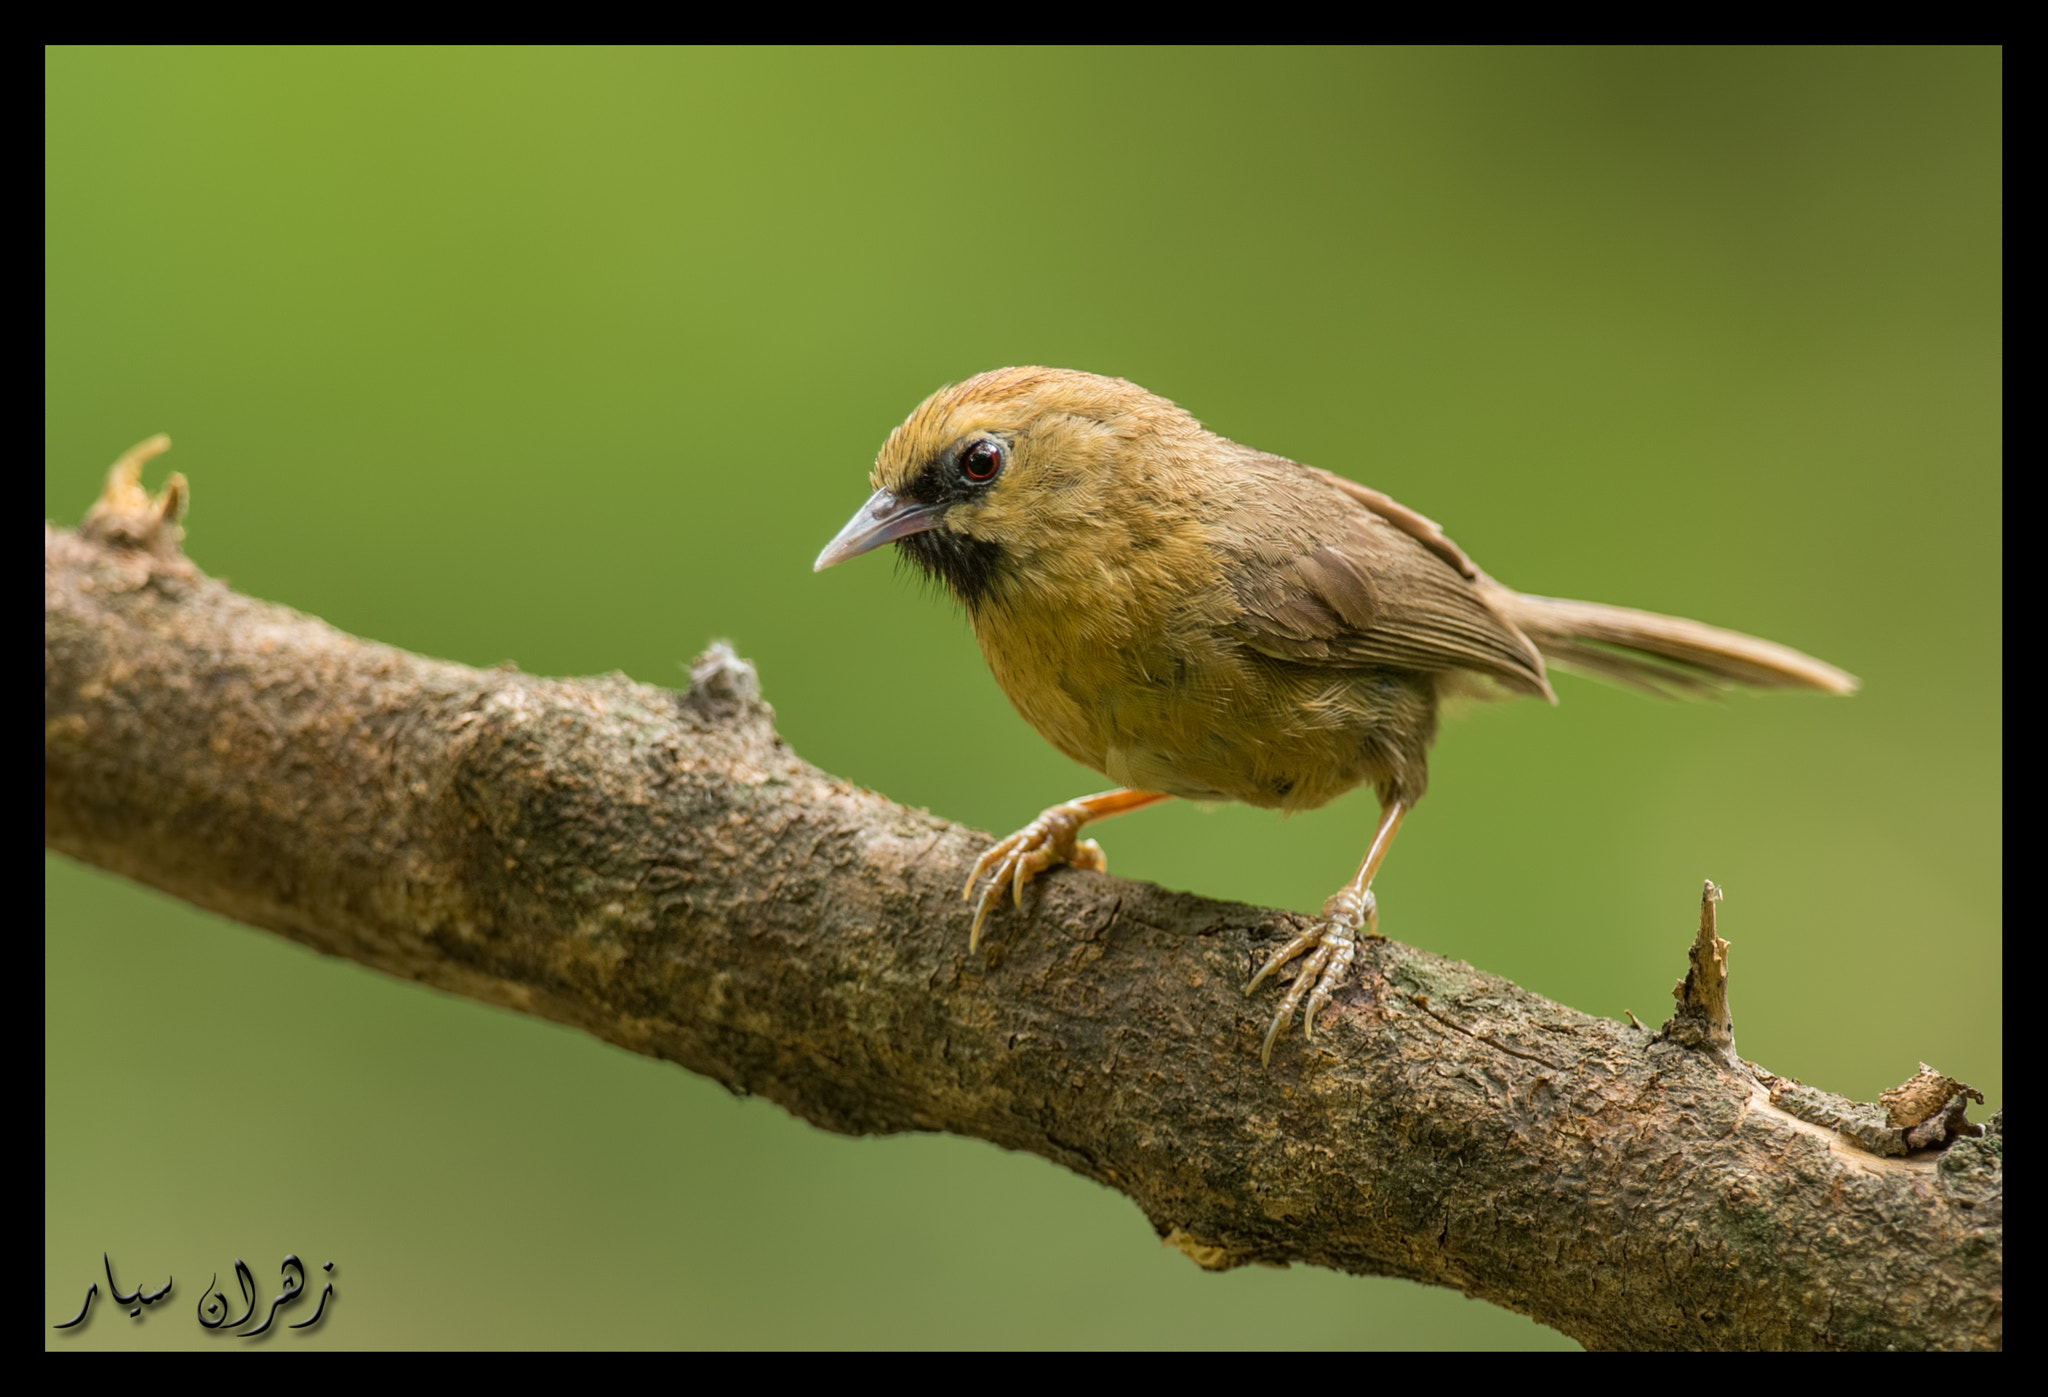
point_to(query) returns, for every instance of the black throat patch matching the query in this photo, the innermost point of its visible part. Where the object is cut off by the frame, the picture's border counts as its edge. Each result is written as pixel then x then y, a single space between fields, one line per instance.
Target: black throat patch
pixel 969 568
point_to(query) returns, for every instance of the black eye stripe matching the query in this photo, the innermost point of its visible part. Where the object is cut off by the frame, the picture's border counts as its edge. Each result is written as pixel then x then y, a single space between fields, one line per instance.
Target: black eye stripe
pixel 959 473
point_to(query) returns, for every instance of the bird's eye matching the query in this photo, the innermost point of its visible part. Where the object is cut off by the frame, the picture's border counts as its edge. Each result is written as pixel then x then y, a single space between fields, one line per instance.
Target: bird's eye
pixel 980 462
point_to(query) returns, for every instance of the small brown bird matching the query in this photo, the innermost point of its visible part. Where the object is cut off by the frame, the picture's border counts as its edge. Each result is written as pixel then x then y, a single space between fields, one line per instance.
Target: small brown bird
pixel 1194 618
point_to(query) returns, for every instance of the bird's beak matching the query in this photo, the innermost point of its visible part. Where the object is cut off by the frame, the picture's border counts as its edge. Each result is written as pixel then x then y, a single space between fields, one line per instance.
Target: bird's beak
pixel 883 519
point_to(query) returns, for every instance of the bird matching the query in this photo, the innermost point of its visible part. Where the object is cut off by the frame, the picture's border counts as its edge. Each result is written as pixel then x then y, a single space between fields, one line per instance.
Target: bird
pixel 1194 618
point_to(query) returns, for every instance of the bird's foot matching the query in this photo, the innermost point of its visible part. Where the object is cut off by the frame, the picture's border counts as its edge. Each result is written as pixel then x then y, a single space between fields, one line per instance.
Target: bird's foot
pixel 1330 945
pixel 1015 861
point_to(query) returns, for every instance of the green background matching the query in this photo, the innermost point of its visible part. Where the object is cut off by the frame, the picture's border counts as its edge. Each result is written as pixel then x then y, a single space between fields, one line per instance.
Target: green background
pixel 577 358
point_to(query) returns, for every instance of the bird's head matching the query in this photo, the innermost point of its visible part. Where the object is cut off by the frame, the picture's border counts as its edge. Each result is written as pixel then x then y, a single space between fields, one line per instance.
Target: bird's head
pixel 1016 470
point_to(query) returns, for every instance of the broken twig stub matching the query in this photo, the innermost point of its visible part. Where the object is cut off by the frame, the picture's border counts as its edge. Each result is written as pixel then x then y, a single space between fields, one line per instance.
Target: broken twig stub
pixel 1702 1019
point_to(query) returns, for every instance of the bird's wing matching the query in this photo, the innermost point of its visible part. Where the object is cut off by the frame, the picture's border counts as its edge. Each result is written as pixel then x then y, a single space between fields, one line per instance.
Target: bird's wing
pixel 1420 527
pixel 1328 572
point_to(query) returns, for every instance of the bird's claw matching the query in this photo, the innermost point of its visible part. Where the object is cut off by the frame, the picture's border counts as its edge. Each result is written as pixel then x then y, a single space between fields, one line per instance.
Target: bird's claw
pixel 1331 945
pixel 1015 861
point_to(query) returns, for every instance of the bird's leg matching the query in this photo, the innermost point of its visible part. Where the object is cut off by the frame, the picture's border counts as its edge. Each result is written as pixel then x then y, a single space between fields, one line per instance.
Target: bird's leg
pixel 1047 840
pixel 1332 943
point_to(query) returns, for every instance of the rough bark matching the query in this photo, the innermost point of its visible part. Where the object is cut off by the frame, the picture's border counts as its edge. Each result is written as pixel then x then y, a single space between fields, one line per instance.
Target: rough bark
pixel 659 869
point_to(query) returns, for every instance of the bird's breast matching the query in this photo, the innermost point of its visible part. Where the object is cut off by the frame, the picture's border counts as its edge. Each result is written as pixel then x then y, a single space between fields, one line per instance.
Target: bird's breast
pixel 1170 701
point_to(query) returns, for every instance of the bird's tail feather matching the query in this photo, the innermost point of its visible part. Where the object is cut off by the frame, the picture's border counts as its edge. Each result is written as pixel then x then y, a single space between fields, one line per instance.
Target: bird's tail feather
pixel 1668 656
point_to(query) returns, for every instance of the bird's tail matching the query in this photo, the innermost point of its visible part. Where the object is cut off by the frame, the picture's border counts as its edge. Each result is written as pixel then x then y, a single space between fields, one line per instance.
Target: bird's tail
pixel 1664 655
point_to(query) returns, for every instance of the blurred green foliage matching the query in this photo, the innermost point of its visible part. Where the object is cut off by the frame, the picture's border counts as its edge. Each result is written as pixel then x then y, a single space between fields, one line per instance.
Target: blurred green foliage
pixel 576 358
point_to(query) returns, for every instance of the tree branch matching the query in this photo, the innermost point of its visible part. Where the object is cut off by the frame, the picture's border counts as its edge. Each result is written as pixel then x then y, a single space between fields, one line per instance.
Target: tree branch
pixel 659 869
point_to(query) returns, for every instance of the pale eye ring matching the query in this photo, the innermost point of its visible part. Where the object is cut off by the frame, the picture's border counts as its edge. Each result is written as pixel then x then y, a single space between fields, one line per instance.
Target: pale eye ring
pixel 982 462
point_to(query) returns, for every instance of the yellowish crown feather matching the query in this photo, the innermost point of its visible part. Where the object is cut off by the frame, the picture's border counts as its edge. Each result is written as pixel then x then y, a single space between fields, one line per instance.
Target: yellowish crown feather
pixel 1010 400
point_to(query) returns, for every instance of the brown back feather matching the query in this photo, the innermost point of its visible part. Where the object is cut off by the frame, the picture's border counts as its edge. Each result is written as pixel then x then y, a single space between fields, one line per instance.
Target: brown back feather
pixel 1324 578
pixel 1393 589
